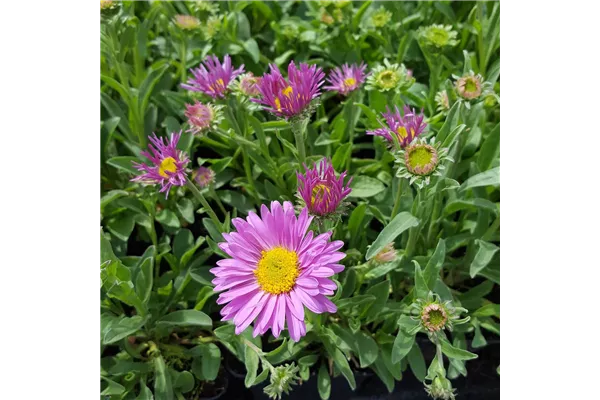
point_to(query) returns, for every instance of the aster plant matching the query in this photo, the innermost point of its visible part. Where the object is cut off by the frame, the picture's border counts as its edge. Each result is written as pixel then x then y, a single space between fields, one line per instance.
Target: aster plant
pixel 420 160
pixel 213 77
pixel 400 129
pixel 389 77
pixel 346 79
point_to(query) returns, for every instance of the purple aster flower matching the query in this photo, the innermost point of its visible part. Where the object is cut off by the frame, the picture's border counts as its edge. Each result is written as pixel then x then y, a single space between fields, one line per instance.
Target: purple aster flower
pixel 275 270
pixel 169 164
pixel 320 190
pixel 290 97
pixel 212 77
pixel 203 176
pixel 346 79
pixel 404 128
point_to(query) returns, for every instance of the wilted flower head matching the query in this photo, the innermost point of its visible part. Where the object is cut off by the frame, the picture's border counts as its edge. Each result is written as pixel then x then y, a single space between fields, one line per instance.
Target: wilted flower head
pixel 440 389
pixel 435 315
pixel 202 117
pixel 321 192
pixel 469 86
pixel 212 77
pixel 441 99
pixel 326 18
pixel 389 77
pixel 282 378
pixel 275 270
pixel 341 3
pixel 420 160
pixel 212 26
pixel 387 254
pixel 248 84
pixel 346 79
pixel 104 4
pixel 381 17
pixel 168 164
pixel 437 36
pixel 400 129
pixel 293 96
pixel 187 22
pixel 203 176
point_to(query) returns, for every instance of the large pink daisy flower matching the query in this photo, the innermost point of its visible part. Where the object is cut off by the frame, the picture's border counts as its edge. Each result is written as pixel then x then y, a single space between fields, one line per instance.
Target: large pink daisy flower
pixel 276 269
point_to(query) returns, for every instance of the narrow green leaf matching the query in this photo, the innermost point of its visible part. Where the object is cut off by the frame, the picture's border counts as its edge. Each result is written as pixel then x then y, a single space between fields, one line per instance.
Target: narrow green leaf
pixel 124 163
pixel 324 383
pixel 421 288
pixel 455 352
pixel 365 186
pixel 490 149
pixel 416 361
pixel 399 224
pixel 367 349
pixel 251 361
pixel 402 345
pixel 491 177
pixel 435 264
pixel 163 389
pixel 484 255
pixel 186 318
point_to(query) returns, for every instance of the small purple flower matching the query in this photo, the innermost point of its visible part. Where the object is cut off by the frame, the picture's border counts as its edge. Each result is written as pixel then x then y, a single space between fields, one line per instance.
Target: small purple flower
pixel 404 128
pixel 169 164
pixel 203 176
pixel 212 77
pixel 201 116
pixel 289 98
pixel 320 190
pixel 346 79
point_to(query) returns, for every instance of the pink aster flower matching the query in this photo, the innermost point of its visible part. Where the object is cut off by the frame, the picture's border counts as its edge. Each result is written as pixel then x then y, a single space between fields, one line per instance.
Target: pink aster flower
pixel 290 97
pixel 346 79
pixel 212 77
pixel 168 164
pixel 404 128
pixel 321 190
pixel 203 176
pixel 275 270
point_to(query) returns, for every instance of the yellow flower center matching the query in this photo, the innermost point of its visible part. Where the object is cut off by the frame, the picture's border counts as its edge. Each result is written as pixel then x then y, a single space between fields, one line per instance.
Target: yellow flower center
pixel 287 91
pixel 402 133
pixel 277 270
pixel 420 157
pixel 318 193
pixel 168 164
pixel 220 82
pixel 277 104
pixel 349 82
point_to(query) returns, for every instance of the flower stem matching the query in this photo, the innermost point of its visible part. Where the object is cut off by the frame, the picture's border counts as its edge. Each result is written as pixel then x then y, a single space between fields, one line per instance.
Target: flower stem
pixel 398 196
pixel 183 59
pixel 204 203
pixel 213 193
pixel 299 127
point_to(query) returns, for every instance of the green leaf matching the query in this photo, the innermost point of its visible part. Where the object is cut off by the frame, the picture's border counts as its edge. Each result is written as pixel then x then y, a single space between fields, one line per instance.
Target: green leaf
pixel 308 361
pixel 356 305
pixel 212 229
pixel 478 338
pixel 484 255
pixel 148 85
pixel 491 177
pixel 111 196
pixel 163 389
pixel 421 288
pixel 367 349
pixel 211 361
pixel 236 200
pixel 186 208
pixel 251 362
pixel 402 345
pixel 340 157
pixel 145 392
pixel 144 280
pixel 341 363
pixel 168 219
pixel 490 149
pixel 251 47
pixel 470 204
pixel 488 310
pixel 450 124
pixel 186 318
pixel 121 226
pixel 365 186
pixel 113 388
pixel 369 113
pixel 435 264
pixel 399 224
pixel 417 363
pixel 384 374
pixel 182 242
pixel 123 163
pixel 382 269
pixel 349 283
pixel 220 164
pixel 324 383
pixel 381 291
pixel 184 381
pixel 455 352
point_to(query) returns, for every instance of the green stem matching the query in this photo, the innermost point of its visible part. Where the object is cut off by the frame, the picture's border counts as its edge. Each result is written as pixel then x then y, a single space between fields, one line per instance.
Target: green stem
pixel 413 233
pixel 434 216
pixel 298 128
pixel 213 193
pixel 204 203
pixel 183 60
pixel 398 196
